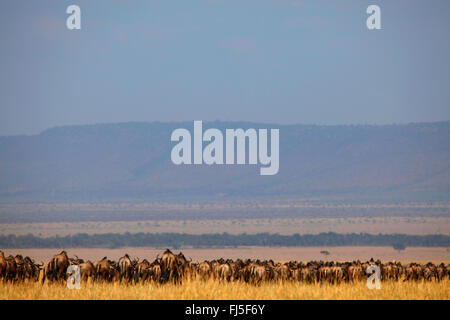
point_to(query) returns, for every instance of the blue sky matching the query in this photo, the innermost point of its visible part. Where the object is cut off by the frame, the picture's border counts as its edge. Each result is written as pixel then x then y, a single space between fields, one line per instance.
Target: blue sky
pixel 280 61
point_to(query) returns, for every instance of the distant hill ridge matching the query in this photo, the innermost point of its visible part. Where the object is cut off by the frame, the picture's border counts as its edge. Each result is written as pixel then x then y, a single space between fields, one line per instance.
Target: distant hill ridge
pixel 132 160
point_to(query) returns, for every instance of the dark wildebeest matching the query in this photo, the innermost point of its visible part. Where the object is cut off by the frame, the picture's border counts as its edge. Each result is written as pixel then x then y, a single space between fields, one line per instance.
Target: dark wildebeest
pixel 413 272
pixel 155 271
pixel 183 265
pixel 441 271
pixel 11 269
pixel 58 265
pixel 46 272
pixel 142 271
pixel 31 269
pixel 355 272
pixel 8 267
pixel 204 270
pixel 3 264
pixel 254 273
pixel 75 261
pixel 87 270
pixel 104 270
pixel 126 267
pixel 282 272
pixel 169 267
pixel 224 272
pixel 20 273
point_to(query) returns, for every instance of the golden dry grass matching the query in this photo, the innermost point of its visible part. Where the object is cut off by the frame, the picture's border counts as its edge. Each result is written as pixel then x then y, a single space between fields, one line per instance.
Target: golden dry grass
pixel 211 290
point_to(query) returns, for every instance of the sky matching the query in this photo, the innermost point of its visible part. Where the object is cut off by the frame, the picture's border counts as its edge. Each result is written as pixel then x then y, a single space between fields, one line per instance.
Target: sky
pixel 285 61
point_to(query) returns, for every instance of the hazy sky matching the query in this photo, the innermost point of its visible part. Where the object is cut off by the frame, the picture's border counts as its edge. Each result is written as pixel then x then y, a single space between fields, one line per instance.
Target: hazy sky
pixel 305 61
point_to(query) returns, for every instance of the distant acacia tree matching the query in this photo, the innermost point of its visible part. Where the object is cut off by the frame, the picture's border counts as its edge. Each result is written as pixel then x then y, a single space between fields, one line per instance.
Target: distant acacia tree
pixel 399 246
pixel 325 252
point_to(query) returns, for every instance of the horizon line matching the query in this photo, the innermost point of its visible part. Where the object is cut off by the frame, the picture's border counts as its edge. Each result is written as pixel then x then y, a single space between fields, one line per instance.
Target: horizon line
pixel 226 121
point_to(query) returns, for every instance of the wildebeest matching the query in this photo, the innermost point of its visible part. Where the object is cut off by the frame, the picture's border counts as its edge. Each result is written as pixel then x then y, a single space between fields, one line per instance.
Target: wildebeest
pixel 126 267
pixel 169 267
pixel 20 272
pixel 155 271
pixel 175 268
pixel 254 273
pixel 204 270
pixel 355 271
pixel 87 270
pixel 58 265
pixel 224 272
pixel 308 274
pixel 104 270
pixel 141 271
pixel 282 272
pixel 413 271
pixel 146 271
pixel 441 271
pixel 3 264
pixel 8 267
pixel 183 264
pixel 31 269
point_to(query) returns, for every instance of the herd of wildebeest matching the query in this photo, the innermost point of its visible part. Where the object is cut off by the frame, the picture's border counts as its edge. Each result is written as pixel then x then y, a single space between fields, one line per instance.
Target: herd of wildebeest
pixel 175 268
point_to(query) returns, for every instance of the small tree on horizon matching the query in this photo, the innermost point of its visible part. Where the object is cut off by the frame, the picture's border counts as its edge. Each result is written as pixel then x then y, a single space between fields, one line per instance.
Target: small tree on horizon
pixel 399 246
pixel 325 252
